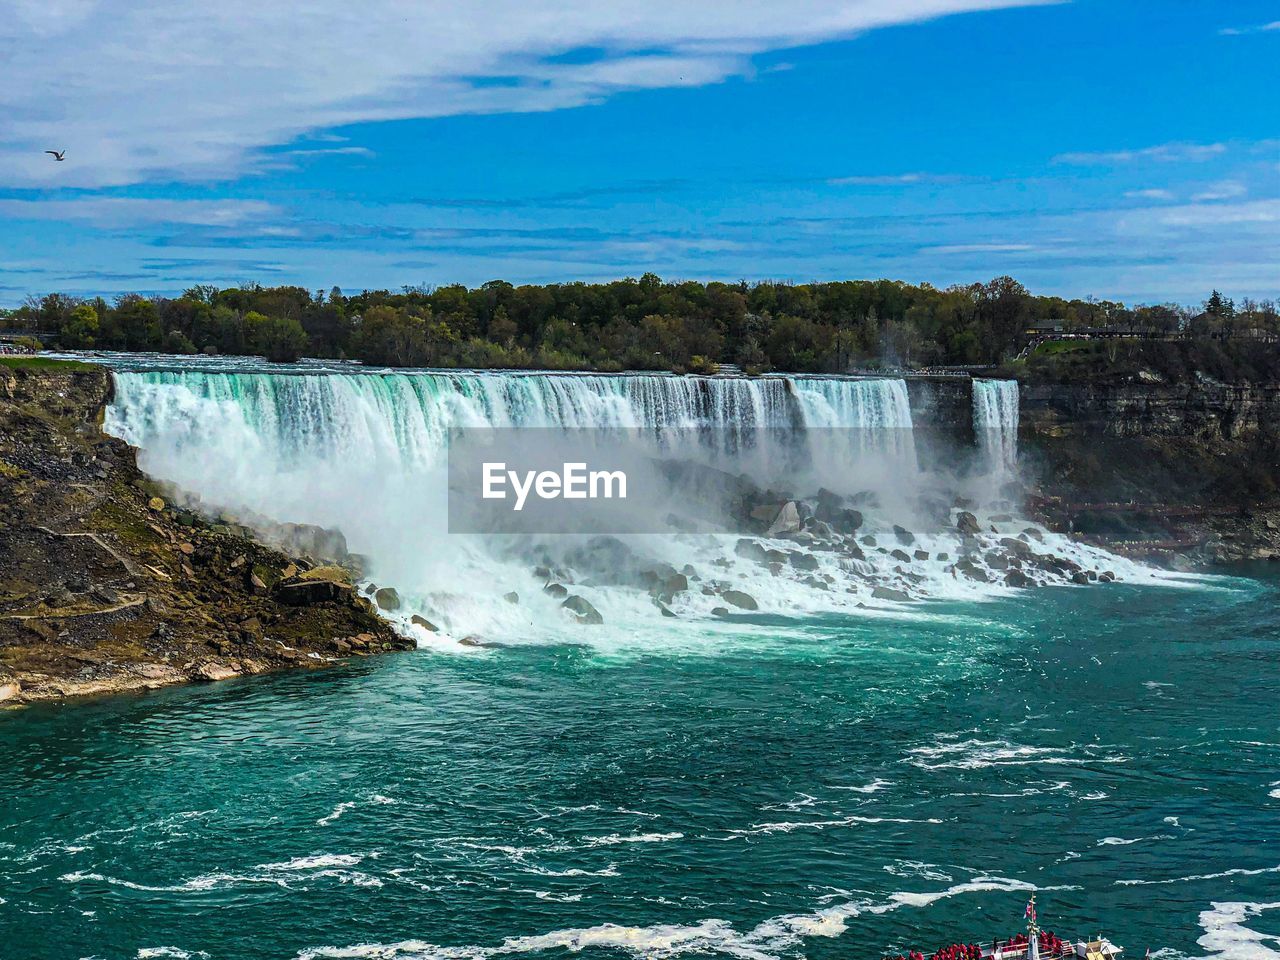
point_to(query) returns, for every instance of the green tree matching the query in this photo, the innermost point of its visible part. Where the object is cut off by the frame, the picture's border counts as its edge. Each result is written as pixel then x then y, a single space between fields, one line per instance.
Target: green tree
pixel 81 328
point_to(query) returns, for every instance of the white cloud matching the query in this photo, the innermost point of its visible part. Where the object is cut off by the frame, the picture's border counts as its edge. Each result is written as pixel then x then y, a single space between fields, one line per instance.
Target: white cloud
pixel 188 89
pixel 1152 193
pixel 112 212
pixel 1245 31
pixel 1164 153
pixel 1222 190
pixel 887 180
pixel 980 248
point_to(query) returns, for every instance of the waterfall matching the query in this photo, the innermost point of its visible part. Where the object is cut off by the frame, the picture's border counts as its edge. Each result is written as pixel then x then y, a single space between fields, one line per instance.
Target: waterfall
pixel 995 423
pixel 365 453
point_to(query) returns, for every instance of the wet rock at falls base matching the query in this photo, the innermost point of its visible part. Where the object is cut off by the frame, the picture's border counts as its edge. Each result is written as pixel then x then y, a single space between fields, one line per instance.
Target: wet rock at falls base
pixel 557 590
pixel 583 610
pixel 511 597
pixel 1016 578
pixel 787 521
pixel 905 536
pixel 967 523
pixel 900 555
pixel 890 593
pixel 802 561
pixel 743 601
pixel 387 599
pixel 424 623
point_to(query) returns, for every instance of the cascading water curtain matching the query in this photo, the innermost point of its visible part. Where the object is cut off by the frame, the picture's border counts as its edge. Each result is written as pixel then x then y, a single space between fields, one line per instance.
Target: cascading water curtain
pixel 995 423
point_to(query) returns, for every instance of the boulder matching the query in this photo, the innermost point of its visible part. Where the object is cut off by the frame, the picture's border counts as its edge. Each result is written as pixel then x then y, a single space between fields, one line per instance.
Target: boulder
pixel 1016 578
pixel 719 611
pixel 213 672
pixel 905 536
pixel 9 689
pixel 511 597
pixel 803 561
pixel 557 590
pixel 387 599
pixel 868 541
pixel 750 549
pixel 743 601
pixel 1080 578
pixel 319 585
pixel 424 623
pixel 922 555
pixel 582 609
pixel 900 555
pixel 787 521
pixel 967 524
pixel 890 593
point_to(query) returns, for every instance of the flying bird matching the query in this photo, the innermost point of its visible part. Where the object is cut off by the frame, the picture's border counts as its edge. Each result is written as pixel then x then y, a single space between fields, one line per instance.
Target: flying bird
pixel 58 155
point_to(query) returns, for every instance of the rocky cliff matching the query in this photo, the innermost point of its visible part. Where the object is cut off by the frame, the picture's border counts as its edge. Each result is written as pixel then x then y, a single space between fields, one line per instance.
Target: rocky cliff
pixel 1187 471
pixel 105 587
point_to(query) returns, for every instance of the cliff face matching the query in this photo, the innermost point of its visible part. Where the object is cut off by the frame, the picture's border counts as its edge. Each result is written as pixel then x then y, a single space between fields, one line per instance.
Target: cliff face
pixel 1206 412
pixel 105 587
pixel 1181 471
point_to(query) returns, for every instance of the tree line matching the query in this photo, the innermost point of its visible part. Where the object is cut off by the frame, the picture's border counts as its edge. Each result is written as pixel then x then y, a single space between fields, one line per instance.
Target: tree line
pixel 630 324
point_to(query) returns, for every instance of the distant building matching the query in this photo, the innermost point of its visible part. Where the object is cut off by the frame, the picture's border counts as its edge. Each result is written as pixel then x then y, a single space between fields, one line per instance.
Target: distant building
pixel 1038 328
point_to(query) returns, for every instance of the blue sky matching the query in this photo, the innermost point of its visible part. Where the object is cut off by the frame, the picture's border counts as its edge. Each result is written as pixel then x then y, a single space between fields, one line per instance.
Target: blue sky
pixel 1126 150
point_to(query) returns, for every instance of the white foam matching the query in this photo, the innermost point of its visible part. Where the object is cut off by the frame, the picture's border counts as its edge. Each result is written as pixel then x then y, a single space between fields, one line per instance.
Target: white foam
pixel 768 940
pixel 1227 938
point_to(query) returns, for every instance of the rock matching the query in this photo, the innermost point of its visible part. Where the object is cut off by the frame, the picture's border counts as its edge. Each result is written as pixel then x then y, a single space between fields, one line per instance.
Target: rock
pixel 667 590
pixel 803 561
pixel 9 689
pixel 944 557
pixel 967 523
pixel 905 536
pixel 666 611
pixel 318 585
pixel 900 555
pixel 1019 548
pixel 511 597
pixel 787 521
pixel 387 599
pixel 1016 578
pixel 557 590
pixel 890 593
pixel 743 601
pixel 922 555
pixel 1080 578
pixel 155 505
pixel 256 586
pixel 582 608
pixel 1034 534
pixel 291 570
pixel 868 541
pixel 542 573
pixel 424 623
pixel 213 672
pixel 719 611
pixel 1106 577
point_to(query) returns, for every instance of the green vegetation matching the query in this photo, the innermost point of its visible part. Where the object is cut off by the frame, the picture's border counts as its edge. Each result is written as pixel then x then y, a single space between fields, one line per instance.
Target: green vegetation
pixel 630 324
pixel 20 362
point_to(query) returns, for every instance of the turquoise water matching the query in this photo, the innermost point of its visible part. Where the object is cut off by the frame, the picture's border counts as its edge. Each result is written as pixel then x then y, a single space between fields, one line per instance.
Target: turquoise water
pixel 835 788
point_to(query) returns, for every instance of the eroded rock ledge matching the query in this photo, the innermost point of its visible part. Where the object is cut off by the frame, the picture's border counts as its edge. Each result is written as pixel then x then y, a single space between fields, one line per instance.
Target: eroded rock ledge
pixel 106 587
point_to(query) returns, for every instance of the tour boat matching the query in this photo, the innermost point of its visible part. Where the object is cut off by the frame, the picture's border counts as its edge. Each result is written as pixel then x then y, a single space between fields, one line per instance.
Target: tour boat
pixel 1035 944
